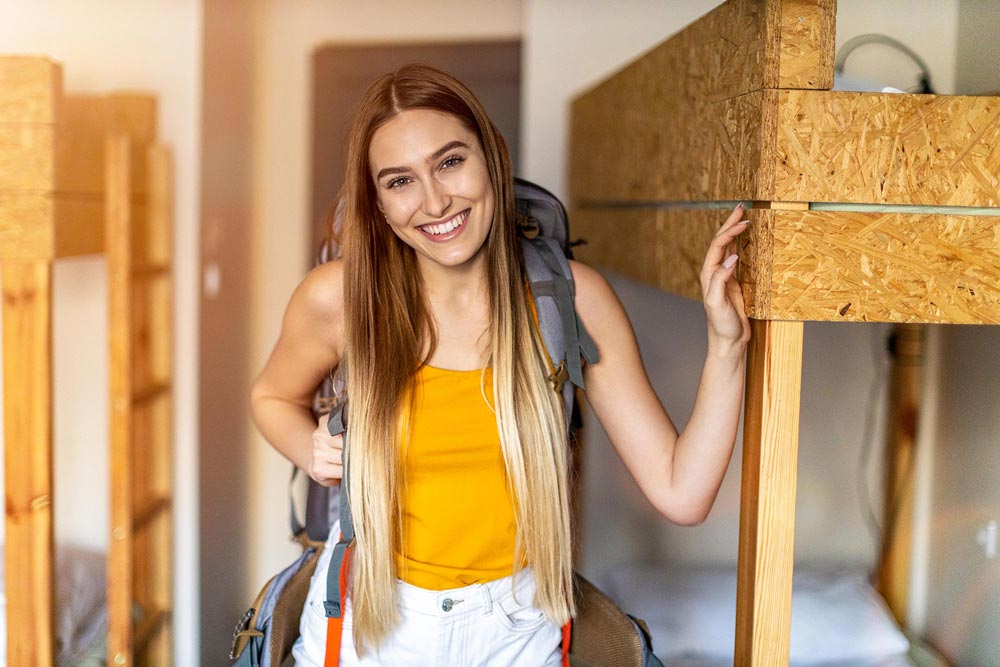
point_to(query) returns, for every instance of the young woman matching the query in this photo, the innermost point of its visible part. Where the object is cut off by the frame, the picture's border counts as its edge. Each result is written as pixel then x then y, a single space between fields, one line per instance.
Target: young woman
pixel 458 475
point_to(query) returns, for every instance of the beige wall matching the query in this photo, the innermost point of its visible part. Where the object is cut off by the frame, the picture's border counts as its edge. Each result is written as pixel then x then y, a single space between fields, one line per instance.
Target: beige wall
pixel 282 225
pixel 103 46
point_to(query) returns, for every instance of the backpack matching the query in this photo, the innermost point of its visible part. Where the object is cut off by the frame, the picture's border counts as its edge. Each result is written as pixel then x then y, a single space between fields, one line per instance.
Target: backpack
pixel 264 637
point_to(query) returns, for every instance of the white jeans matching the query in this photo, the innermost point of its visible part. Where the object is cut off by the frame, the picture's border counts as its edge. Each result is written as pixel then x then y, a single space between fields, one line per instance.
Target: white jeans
pixel 474 626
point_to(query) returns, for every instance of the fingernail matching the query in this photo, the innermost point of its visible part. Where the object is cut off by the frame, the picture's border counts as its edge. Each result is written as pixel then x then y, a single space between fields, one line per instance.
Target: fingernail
pixel 743 222
pixel 746 204
pixel 730 261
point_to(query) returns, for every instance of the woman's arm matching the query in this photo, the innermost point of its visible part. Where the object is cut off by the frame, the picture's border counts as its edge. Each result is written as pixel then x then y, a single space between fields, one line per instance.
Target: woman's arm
pixel 679 474
pixel 308 348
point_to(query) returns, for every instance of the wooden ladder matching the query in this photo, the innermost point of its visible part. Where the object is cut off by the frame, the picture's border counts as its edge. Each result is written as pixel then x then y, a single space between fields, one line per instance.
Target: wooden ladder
pixel 140 310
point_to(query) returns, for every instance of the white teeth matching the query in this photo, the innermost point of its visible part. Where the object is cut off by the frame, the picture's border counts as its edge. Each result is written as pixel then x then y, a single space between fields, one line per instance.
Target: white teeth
pixel 446 227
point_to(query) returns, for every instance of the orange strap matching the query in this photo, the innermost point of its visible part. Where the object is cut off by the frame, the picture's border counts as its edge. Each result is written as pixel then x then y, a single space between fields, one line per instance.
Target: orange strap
pixel 335 626
pixel 567 632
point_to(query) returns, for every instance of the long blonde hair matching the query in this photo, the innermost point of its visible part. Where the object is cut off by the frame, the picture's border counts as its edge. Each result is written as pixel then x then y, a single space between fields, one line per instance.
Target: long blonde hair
pixel 388 322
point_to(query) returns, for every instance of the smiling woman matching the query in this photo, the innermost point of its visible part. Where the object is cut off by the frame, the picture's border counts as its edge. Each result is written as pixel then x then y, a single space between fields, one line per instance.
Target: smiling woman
pixel 458 471
pixel 438 192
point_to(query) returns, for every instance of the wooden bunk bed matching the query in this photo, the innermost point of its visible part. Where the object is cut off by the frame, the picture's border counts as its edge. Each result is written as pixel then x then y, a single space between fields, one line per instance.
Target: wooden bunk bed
pixel 865 207
pixel 84 175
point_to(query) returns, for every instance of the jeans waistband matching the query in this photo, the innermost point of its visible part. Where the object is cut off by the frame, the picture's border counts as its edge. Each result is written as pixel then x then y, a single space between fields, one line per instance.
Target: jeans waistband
pixel 478 598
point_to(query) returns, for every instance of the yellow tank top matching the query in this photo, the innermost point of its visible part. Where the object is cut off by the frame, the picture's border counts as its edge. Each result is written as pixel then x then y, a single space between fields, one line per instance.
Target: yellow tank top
pixel 458 516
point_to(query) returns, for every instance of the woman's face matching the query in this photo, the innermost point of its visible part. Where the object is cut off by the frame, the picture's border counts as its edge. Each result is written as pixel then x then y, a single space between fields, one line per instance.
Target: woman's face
pixel 433 185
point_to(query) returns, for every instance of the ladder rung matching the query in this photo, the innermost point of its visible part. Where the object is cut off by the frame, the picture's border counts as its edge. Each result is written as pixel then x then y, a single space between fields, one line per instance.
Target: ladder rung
pixel 150 392
pixel 149 627
pixel 151 271
pixel 150 512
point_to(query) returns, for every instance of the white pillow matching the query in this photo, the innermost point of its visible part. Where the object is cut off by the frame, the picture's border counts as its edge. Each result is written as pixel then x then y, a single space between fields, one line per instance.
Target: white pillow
pixel 691 611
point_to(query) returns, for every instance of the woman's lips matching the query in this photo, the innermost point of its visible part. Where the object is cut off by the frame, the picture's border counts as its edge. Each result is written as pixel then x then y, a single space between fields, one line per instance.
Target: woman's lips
pixel 447 236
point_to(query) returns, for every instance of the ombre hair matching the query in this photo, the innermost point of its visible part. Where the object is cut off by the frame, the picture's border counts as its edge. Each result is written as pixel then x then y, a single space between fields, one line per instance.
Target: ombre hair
pixel 388 323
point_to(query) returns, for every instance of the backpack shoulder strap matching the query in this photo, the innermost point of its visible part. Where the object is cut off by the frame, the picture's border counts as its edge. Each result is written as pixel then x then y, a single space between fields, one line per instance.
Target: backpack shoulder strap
pixel 566 339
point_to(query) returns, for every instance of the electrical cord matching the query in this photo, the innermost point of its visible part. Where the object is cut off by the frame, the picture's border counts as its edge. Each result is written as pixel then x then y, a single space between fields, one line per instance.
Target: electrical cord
pixel 923 86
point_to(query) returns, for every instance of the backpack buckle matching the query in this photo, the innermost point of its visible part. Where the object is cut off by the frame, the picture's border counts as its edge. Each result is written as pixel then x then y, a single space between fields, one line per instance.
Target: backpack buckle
pixel 559 376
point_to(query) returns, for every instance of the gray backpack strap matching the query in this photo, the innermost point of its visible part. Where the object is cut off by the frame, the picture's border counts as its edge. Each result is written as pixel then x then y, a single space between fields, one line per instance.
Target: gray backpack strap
pixel 336 425
pixel 566 339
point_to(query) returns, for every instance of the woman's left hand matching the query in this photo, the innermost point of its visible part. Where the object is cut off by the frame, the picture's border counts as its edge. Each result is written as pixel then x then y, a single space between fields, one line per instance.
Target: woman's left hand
pixel 721 292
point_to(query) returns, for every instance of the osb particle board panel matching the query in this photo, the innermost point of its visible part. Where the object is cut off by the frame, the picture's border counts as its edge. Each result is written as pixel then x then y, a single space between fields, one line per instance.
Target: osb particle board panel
pixel 885 148
pixel 889 267
pixel 687 120
pixel 30 89
pixel 642 148
pixel 662 247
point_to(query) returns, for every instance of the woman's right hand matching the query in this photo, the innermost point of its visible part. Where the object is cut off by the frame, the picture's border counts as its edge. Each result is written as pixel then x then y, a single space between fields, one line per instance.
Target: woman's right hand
pixel 325 467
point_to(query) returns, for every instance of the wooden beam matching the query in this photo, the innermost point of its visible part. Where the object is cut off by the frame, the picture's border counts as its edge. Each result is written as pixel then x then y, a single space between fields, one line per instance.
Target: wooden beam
pixel 121 563
pixel 897 517
pixel 27 424
pixel 879 148
pixel 767 500
pixel 695 117
pixel 662 247
pixel 886 267
pixel 30 89
pixel 797 264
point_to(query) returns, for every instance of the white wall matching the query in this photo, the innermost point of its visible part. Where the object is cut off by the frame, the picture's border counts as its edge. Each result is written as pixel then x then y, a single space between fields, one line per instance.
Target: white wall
pixel 290 31
pixel 104 46
pixel 570 46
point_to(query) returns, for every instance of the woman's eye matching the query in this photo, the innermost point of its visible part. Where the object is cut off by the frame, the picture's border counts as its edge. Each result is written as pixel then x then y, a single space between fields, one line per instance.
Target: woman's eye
pixel 396 182
pixel 452 161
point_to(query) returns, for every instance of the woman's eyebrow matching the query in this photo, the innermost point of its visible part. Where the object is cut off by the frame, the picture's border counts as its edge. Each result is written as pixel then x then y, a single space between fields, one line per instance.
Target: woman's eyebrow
pixel 438 153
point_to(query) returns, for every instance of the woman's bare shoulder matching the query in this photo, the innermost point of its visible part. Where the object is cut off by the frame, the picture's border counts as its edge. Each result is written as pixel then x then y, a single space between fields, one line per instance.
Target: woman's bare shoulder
pixel 594 296
pixel 317 305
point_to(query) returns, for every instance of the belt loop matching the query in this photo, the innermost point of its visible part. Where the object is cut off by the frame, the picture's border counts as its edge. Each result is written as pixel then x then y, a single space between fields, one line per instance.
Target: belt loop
pixel 487 600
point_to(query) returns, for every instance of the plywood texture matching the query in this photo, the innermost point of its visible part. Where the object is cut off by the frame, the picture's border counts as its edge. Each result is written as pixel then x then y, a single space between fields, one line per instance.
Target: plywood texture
pixel 30 89
pixel 767 494
pixel 889 267
pixel 884 148
pixel 693 118
pixel 663 247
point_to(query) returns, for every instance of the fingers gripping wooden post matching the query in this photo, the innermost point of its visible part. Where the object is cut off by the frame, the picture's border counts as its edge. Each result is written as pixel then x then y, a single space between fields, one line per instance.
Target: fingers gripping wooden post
pixel 767 505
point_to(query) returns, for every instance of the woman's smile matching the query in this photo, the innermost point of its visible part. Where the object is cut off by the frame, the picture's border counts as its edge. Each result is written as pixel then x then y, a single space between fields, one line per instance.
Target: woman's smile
pixel 447 230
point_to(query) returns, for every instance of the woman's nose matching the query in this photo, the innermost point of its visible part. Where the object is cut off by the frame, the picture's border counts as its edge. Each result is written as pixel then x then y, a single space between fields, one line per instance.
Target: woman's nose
pixel 436 202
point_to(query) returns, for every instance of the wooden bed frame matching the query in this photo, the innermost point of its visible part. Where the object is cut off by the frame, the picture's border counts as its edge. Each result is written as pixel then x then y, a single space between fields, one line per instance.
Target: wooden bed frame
pixel 83 175
pixel 738 106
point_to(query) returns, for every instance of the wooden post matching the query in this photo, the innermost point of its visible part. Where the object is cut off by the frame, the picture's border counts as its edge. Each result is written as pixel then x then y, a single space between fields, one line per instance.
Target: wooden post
pixel 897 522
pixel 27 398
pixel 767 504
pixel 118 236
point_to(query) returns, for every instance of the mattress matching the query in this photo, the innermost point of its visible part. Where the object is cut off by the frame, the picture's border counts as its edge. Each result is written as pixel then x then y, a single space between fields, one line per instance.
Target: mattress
pixel 838 619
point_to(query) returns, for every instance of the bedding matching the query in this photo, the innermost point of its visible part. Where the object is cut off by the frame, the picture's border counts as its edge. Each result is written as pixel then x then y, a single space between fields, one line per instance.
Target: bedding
pixel 81 609
pixel 838 619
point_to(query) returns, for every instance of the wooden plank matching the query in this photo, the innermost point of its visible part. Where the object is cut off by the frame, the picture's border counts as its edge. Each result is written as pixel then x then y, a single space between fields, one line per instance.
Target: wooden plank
pixel 897 518
pixel 30 89
pixel 767 496
pixel 887 267
pixel 662 247
pixel 119 244
pixel 806 39
pixel 27 157
pixel 27 400
pixel 889 149
pixel 694 118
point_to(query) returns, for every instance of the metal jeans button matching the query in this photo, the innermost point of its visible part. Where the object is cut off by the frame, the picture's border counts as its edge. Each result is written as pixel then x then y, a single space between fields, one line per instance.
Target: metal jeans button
pixel 447 604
